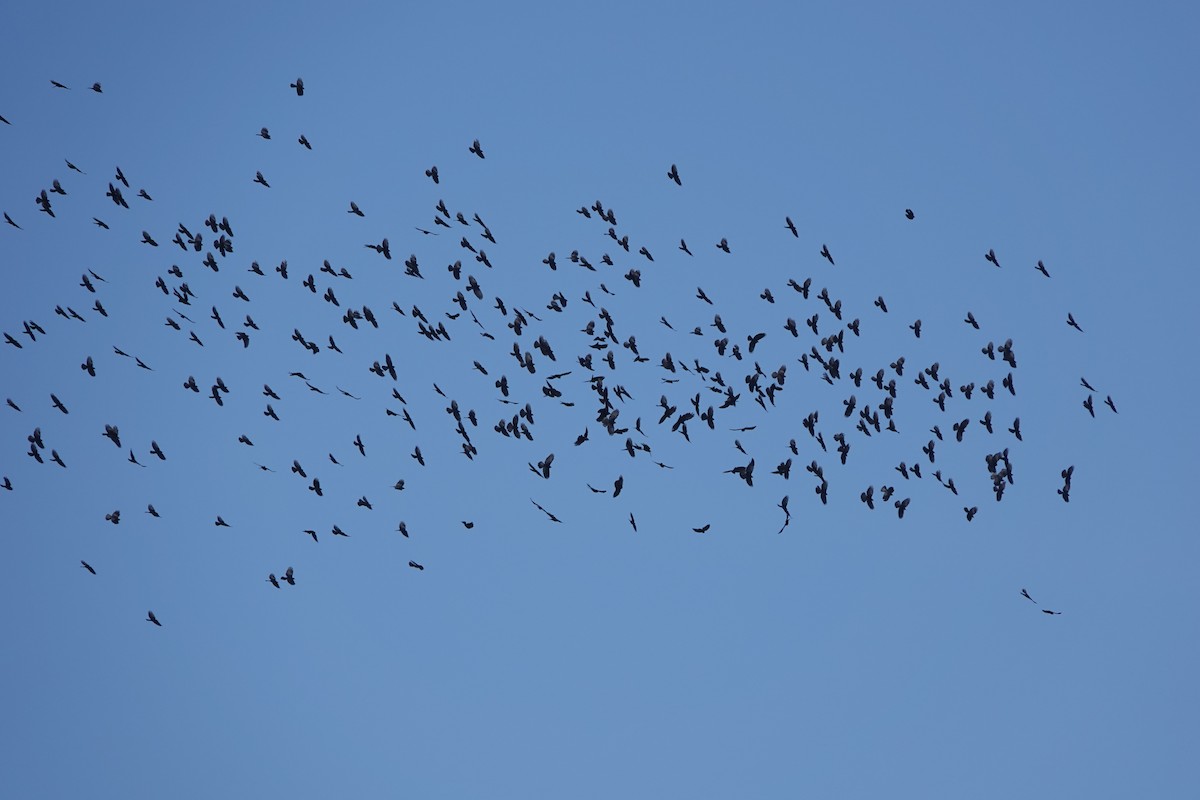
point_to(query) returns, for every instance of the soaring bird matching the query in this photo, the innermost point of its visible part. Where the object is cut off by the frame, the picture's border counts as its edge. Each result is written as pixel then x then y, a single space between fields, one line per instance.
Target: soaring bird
pixel 88 567
pixel 298 86
pixel 674 175
pixel 991 256
pixel 476 149
pixel 151 618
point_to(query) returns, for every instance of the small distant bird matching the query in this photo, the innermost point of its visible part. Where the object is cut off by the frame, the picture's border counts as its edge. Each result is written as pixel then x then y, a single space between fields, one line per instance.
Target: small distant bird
pixel 289 577
pixel 1048 611
pixel 826 254
pixel 151 618
pixel 1025 594
pixel 258 178
pixel 304 141
pixel 991 256
pixel 432 173
pixel 908 212
pixel 674 175
pixel 1042 269
pixel 88 567
pixel 264 133
pixel 1071 321
pixel 58 85
pixel 971 512
pixel 298 86
pixel 791 226
pixel 354 209
pixel 1108 401
pixel 476 149
pixel 97 89
pixel 415 565
pixel 271 579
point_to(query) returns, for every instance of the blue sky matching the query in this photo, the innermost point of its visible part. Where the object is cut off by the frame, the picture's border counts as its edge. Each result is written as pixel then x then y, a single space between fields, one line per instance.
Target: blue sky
pixel 854 655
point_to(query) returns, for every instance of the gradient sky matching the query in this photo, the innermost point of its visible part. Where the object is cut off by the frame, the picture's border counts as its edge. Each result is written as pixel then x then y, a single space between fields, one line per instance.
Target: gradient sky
pixel 854 655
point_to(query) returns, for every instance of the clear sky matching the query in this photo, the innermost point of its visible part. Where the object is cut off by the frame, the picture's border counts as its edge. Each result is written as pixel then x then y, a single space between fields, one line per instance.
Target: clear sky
pixel 855 654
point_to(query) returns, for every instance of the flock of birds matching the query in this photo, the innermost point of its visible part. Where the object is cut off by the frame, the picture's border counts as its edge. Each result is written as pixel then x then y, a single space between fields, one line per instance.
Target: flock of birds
pixel 696 399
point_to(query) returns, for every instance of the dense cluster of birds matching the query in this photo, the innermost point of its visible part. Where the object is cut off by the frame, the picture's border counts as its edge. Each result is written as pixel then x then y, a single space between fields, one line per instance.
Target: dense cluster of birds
pixel 697 398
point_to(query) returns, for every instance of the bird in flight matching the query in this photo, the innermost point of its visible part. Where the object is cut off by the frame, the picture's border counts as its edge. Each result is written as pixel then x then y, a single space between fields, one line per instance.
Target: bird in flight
pixel 88 567
pixel 476 149
pixel 298 86
pixel 151 618
pixel 674 175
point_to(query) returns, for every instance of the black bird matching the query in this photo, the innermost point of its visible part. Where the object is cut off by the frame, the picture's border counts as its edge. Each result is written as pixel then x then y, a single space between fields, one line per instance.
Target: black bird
pixel 1025 594
pixel 304 141
pixel 970 320
pixel 88 567
pixel 432 173
pixel 991 256
pixel 1042 269
pixel 95 87
pixel 271 579
pixel 908 212
pixel 289 577
pixel 1088 405
pixel 58 85
pixel 971 512
pixel 258 178
pixel 674 175
pixel 825 252
pixel 1108 401
pixel 476 149
pixel 151 618
pixel 298 86
pixel 415 565
pixel 1071 321
pixel 791 226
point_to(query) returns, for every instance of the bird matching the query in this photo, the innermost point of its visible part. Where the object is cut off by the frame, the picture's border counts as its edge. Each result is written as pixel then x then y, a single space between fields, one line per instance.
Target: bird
pixel 416 566
pixel 271 579
pixel 908 212
pixel 151 618
pixel 991 256
pixel 1025 594
pixel 791 226
pixel 88 567
pixel 432 174
pixel 95 87
pixel 289 577
pixel 304 141
pixel 826 254
pixel 673 174
pixel 298 86
pixel 1071 321
pixel 1042 268
pixel 58 85
pixel 476 149
pixel 258 178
